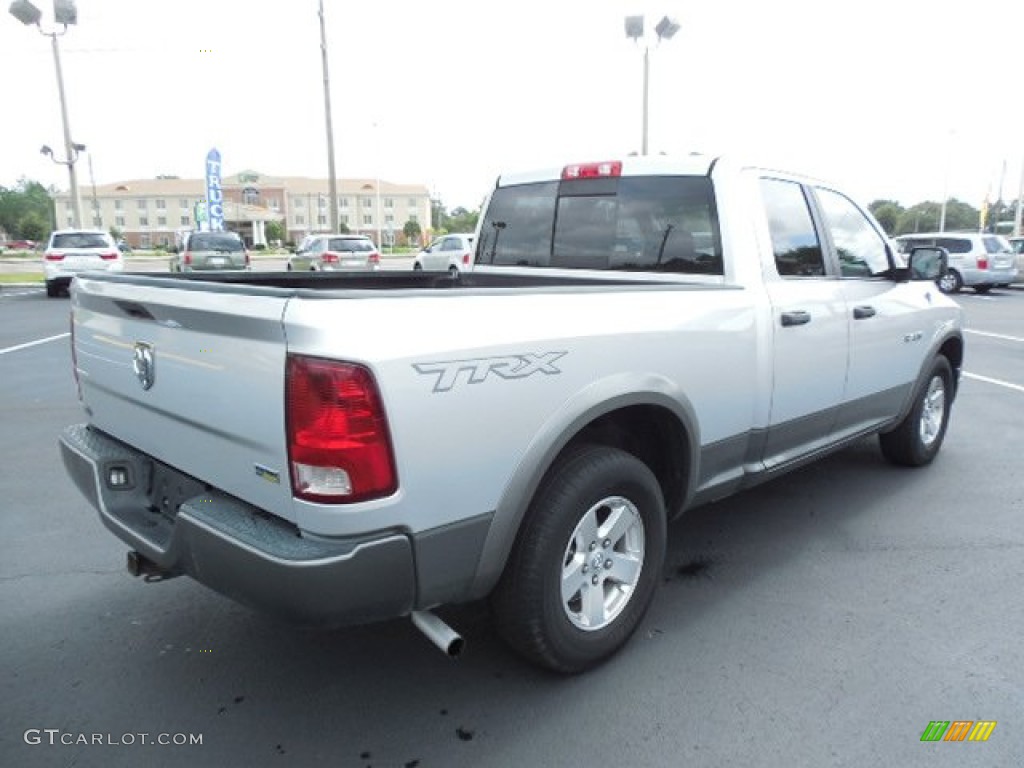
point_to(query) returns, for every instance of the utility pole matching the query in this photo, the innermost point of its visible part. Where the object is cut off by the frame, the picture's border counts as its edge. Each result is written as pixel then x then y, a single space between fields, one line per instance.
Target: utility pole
pixel 332 180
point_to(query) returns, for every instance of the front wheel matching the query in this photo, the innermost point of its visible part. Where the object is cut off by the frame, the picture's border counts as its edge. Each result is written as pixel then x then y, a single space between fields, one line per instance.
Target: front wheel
pixel 917 439
pixel 586 563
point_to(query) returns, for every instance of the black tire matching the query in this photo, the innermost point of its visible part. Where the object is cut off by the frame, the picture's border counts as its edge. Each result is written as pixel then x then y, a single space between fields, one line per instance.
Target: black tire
pixel 592 484
pixel 951 282
pixel 52 290
pixel 982 288
pixel 416 266
pixel 918 438
pixel 453 271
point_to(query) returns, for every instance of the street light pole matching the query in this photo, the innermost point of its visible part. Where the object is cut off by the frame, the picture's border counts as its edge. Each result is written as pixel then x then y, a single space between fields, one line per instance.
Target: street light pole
pixel 664 30
pixel 332 180
pixel 65 13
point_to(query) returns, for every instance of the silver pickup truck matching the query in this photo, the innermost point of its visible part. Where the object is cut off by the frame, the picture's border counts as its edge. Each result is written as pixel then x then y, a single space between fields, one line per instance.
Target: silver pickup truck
pixel 637 337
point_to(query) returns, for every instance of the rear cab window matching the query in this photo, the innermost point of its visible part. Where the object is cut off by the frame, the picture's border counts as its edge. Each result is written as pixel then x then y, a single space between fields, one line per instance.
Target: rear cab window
pixel 213 241
pixel 642 223
pixel 81 240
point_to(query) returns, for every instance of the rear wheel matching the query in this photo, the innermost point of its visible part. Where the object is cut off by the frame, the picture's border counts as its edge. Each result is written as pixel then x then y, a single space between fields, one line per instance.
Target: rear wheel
pixel 586 563
pixel 416 266
pixel 453 271
pixel 917 439
pixel 52 289
pixel 951 282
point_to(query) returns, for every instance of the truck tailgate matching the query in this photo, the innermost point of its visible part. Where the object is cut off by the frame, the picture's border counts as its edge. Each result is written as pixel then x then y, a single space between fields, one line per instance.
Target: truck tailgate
pixel 193 378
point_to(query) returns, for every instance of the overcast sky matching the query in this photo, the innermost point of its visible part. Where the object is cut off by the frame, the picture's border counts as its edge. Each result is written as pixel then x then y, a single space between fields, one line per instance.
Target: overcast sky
pixel 888 98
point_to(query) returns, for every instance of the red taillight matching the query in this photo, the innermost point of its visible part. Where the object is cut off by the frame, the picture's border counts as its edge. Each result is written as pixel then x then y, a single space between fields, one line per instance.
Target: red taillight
pixel 374 258
pixel 329 257
pixel 108 256
pixel 592 170
pixel 339 449
pixel 187 257
pixel 983 262
pixel 54 256
pixel 465 257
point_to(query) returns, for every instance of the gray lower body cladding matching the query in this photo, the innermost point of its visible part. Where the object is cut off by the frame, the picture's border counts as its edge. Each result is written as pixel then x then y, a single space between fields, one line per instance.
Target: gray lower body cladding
pixel 184 526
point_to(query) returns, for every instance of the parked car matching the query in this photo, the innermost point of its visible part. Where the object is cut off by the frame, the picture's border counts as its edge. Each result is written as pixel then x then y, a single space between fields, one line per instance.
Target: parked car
pixel 451 252
pixel 70 251
pixel 21 245
pixel 1017 244
pixel 203 251
pixel 124 246
pixel 336 253
pixel 976 260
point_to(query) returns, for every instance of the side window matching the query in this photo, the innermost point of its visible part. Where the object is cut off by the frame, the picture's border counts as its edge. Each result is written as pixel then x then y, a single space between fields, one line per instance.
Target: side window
pixel 862 251
pixel 450 244
pixel 794 238
pixel 954 244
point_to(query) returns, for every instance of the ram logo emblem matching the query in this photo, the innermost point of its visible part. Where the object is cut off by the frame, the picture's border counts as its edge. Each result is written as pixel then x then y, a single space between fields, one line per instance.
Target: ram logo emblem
pixel 144 363
pixel 507 367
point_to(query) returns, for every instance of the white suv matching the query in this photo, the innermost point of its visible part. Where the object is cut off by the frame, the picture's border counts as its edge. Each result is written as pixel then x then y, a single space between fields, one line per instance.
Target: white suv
pixel 451 252
pixel 70 251
pixel 976 260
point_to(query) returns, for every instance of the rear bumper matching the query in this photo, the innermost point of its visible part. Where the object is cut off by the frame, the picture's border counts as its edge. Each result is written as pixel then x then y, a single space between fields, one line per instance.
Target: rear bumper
pixel 234 548
pixel 973 277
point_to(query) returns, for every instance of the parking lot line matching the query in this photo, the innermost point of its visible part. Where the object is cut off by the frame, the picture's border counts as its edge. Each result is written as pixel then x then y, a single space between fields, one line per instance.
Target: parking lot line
pixel 35 343
pixel 998 382
pixel 994 335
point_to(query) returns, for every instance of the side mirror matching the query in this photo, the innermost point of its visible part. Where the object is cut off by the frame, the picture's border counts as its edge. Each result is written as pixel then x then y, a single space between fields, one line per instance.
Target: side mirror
pixel 927 262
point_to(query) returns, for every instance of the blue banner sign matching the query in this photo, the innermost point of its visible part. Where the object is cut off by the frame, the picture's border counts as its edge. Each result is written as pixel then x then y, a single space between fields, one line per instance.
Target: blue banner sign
pixel 214 193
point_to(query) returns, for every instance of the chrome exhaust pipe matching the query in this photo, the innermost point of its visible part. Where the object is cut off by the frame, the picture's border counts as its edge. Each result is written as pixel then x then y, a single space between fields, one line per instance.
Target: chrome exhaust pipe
pixel 439 633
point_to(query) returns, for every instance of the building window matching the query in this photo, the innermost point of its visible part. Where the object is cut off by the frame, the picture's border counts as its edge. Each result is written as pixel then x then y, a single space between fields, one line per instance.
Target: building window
pixel 343 202
pixel 412 202
pixel 389 219
pixel 274 204
pixel 95 204
pixel 368 220
pixel 68 206
pixel 161 221
pixel 389 202
pixel 344 218
pixel 71 221
pixel 117 205
pixel 119 221
pixel 367 202
pixel 413 217
pixel 298 201
pixel 321 202
pixel 300 219
pixel 250 196
pixel 143 205
pixel 161 205
pixel 97 222
pixel 184 221
pixel 321 220
pixel 144 241
pixel 183 204
pixel 143 221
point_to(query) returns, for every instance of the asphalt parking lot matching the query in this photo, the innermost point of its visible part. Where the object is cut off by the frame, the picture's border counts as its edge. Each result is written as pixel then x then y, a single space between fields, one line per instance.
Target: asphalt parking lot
pixel 824 619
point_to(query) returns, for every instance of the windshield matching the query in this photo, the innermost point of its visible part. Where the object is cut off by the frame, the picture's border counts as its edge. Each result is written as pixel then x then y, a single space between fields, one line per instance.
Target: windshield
pixel 660 224
pixel 81 240
pixel 212 241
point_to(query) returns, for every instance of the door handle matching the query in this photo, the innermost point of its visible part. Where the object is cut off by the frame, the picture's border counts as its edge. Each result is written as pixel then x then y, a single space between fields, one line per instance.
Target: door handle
pixel 859 313
pixel 799 317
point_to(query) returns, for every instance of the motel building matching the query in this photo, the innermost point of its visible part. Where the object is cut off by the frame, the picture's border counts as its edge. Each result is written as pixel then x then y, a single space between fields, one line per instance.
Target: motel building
pixel 150 212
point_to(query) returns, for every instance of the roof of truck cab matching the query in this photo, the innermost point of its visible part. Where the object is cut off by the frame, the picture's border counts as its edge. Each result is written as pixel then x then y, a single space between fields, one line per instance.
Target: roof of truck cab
pixel 694 164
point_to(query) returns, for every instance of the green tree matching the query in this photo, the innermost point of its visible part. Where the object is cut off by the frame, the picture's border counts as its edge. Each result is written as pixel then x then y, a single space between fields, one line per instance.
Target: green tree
pixel 888 213
pixel 462 220
pixel 411 230
pixel 274 230
pixel 33 227
pixel 116 233
pixel 24 208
